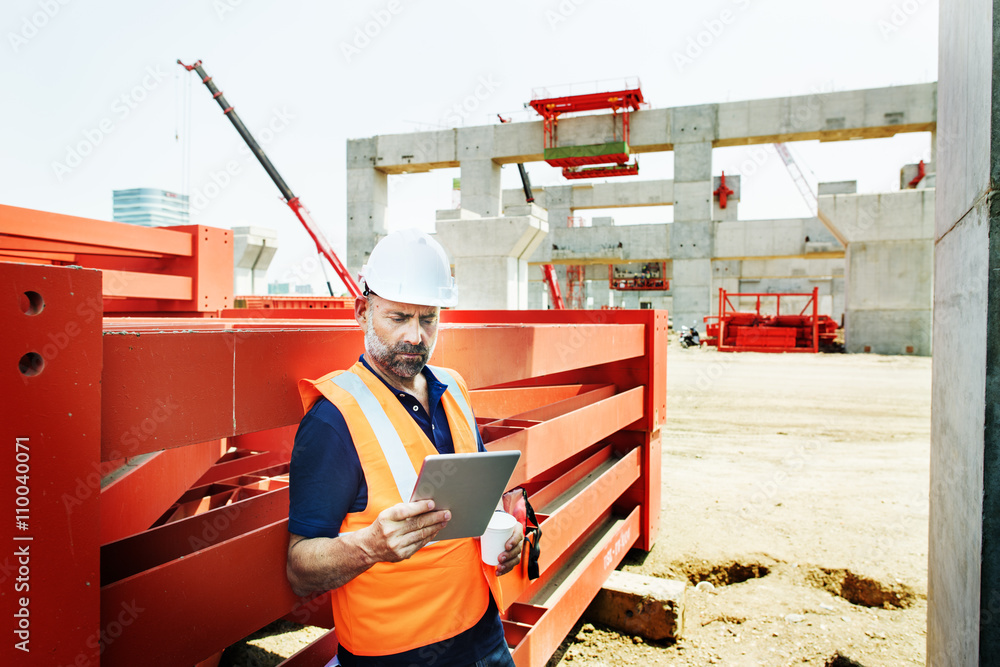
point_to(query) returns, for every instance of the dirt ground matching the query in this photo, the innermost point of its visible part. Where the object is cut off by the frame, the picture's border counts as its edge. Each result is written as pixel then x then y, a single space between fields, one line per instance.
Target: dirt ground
pixel 796 486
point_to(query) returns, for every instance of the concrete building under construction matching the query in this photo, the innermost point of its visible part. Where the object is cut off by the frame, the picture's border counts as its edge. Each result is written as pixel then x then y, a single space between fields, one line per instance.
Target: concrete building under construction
pixel 870 256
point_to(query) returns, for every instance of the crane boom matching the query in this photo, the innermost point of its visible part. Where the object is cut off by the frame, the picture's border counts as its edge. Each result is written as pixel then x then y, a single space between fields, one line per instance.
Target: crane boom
pixel 806 191
pixel 301 212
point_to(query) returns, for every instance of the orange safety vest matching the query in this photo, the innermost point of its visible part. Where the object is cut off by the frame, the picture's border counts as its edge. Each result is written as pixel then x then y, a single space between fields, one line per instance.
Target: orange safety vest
pixel 443 589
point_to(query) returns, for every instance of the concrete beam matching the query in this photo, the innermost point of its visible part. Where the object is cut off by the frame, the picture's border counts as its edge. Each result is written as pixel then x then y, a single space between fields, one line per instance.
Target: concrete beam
pixel 640 605
pixel 599 195
pixel 834 116
pixel 907 214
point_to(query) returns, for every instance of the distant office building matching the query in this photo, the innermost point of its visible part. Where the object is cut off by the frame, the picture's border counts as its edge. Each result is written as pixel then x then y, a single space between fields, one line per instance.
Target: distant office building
pixel 303 289
pixel 278 288
pixel 150 207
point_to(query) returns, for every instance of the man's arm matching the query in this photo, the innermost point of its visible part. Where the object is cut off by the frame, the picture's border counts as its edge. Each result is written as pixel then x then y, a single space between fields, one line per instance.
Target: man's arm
pixel 324 563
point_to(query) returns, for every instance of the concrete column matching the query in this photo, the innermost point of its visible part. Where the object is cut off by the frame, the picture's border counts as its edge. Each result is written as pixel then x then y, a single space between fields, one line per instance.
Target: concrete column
pixel 491 257
pixel 963 578
pixel 691 234
pixel 889 267
pixel 538 292
pixel 253 250
pixel 480 175
pixel 367 200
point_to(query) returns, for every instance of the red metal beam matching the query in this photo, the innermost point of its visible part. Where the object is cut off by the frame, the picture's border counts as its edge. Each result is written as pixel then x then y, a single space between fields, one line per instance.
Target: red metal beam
pixel 544 445
pixel 133 497
pixel 50 424
pixel 12 243
pixel 619 99
pixel 210 599
pixel 30 223
pixel 566 600
pixel 505 403
pixel 181 539
pixel 214 386
pixel 146 285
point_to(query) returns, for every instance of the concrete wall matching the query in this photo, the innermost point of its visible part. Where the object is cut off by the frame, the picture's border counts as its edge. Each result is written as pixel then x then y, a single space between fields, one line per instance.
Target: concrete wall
pixel 963 614
pixel 889 269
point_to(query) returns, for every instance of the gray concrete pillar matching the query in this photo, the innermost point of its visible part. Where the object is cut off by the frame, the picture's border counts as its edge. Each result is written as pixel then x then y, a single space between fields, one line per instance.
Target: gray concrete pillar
pixel 480 177
pixel 367 200
pixel 253 250
pixel 691 234
pixel 491 257
pixel 963 578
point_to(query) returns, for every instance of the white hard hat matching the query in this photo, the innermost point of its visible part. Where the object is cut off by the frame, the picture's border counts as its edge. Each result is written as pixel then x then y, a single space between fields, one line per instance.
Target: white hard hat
pixel 409 266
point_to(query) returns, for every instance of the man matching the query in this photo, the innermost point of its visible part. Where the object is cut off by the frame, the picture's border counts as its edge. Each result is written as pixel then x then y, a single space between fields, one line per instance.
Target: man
pixel 397 598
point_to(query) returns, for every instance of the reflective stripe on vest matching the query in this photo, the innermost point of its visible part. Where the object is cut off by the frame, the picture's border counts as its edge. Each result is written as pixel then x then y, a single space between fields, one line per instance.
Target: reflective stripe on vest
pixel 402 470
pixel 403 474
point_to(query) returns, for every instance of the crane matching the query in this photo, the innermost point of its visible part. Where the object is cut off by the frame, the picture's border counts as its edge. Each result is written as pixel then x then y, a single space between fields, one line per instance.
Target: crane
pixel 301 212
pixel 807 192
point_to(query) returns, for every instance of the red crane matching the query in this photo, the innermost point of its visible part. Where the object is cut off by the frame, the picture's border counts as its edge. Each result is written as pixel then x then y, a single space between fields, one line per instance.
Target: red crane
pixel 301 212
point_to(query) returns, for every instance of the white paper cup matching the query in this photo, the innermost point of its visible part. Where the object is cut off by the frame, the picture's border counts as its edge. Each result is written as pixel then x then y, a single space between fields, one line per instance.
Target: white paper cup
pixel 494 540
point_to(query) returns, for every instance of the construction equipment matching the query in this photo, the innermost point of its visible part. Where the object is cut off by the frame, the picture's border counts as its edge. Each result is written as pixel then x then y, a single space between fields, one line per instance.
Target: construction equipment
pixel 324 247
pixel 158 450
pixel 921 172
pixel 735 331
pixel 722 192
pixel 525 181
pixel 807 192
pixel 611 156
pixel 645 276
pixel 552 280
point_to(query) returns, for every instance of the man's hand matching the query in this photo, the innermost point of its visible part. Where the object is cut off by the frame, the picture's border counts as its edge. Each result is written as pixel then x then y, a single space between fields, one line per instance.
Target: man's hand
pixel 401 530
pixel 512 553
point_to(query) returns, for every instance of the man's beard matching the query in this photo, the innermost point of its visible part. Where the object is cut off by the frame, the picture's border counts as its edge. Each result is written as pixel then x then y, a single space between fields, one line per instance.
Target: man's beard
pixel 389 358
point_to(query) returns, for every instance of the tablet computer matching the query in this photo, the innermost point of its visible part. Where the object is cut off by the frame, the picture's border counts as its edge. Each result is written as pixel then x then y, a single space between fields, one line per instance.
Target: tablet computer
pixel 470 485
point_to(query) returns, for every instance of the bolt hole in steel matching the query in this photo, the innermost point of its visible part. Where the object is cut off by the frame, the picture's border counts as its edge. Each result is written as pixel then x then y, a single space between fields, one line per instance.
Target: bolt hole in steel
pixel 32 303
pixel 31 364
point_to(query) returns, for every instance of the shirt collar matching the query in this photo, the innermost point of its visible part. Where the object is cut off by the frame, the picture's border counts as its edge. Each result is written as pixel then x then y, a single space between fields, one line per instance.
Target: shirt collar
pixel 435 388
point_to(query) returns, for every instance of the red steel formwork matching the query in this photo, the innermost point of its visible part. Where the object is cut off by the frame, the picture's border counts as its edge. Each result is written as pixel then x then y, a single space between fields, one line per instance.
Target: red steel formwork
pixel 734 331
pixel 177 270
pixel 157 453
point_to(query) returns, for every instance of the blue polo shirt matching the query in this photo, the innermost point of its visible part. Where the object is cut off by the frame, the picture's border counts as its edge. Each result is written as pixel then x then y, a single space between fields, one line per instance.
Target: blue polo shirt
pixel 327 482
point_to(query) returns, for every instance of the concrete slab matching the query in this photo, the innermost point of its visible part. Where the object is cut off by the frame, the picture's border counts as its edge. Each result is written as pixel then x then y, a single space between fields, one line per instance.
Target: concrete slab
pixel 640 605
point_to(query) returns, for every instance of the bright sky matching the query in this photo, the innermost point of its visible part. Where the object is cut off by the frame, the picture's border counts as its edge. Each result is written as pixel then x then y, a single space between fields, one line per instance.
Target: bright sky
pixel 94 100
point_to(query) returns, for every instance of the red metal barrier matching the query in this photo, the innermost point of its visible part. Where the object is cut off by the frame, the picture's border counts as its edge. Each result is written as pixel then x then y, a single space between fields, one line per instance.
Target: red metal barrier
pixel 734 331
pixel 178 432
pixel 182 271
